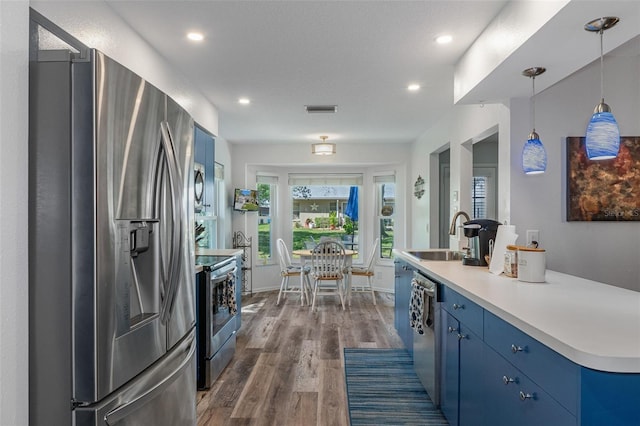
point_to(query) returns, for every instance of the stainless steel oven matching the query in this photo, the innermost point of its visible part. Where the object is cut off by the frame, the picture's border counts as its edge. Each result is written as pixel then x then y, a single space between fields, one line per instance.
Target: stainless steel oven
pixel 217 307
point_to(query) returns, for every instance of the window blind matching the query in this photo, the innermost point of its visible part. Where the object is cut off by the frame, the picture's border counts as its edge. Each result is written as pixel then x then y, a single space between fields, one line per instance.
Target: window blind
pixel 271 180
pixel 296 179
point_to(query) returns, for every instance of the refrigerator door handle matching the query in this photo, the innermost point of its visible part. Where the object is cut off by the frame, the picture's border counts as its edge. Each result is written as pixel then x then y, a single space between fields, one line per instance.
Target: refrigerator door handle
pixel 131 406
pixel 175 182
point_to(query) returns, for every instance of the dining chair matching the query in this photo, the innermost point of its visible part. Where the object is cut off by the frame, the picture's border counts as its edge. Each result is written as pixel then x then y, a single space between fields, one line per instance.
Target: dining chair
pixel 366 270
pixel 288 270
pixel 327 269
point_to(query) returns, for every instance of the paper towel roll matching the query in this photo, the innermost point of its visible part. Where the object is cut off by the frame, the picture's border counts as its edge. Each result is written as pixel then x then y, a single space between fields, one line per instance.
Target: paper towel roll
pixel 505 236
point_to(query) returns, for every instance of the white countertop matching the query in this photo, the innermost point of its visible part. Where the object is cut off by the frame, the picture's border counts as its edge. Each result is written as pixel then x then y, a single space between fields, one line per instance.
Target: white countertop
pixel 593 324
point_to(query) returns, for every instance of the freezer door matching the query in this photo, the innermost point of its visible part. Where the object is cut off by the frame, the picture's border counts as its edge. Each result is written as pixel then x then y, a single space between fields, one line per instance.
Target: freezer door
pixel 182 307
pixel 164 395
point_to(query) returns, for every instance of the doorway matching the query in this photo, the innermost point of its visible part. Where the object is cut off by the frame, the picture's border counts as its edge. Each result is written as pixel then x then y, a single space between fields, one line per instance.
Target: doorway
pixel 444 185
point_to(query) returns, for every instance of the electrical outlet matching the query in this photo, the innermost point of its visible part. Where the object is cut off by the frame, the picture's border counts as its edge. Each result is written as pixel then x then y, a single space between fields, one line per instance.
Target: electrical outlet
pixel 533 235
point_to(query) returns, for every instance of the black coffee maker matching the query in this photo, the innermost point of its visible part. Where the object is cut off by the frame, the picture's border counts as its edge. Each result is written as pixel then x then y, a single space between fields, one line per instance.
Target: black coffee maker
pixel 481 234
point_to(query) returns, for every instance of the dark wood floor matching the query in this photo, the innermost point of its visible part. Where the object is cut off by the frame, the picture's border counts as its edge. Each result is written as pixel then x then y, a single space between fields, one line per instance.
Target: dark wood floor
pixel 288 367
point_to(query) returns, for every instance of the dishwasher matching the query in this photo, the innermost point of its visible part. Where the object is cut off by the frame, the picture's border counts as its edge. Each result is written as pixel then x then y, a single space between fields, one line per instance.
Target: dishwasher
pixel 426 347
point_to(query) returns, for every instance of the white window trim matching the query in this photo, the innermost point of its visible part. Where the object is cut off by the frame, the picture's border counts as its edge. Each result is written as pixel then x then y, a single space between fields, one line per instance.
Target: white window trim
pixel 272 180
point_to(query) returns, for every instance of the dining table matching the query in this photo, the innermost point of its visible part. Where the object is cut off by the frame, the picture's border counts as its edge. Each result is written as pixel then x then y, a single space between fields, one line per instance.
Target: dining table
pixel 305 259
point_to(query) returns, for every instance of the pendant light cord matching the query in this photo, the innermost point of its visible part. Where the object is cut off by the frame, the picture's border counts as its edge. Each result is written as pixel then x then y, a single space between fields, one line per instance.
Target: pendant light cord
pixel 601 66
pixel 533 103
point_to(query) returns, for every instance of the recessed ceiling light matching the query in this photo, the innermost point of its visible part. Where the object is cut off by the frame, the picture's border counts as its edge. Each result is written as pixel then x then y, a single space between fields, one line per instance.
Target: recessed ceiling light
pixel 195 36
pixel 444 39
pixel 413 87
pixel 244 101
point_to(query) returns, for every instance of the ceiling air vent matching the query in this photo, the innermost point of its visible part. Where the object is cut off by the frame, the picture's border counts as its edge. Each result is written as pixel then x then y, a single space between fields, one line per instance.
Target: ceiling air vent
pixel 321 109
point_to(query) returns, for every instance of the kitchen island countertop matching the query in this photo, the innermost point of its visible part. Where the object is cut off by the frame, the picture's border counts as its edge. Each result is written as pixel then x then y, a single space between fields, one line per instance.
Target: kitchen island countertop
pixel 592 324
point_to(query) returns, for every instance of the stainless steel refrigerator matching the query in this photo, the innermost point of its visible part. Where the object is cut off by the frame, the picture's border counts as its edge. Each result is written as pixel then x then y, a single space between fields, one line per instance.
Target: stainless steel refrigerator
pixel 111 250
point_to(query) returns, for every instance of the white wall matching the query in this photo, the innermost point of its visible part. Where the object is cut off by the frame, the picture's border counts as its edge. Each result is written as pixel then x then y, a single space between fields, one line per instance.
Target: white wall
pixel 602 251
pixel 123 44
pixel 96 25
pixel 463 126
pixel 14 55
pixel 282 159
pixel 605 252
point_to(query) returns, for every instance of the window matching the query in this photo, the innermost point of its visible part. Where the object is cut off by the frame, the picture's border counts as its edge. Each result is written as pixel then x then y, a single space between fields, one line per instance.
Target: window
pixel 479 197
pixel 385 201
pixel 319 204
pixel 267 189
pixel 483 190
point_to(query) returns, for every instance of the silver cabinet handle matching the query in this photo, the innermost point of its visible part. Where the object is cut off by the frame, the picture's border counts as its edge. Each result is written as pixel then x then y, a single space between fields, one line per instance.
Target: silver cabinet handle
pixel 451 329
pixel 516 349
pixel 525 396
pixel 506 380
pixel 461 336
pixel 456 306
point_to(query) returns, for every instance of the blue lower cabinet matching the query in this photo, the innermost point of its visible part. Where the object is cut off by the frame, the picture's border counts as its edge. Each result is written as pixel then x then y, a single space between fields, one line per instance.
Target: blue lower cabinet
pixel 556 374
pixel 238 279
pixel 609 398
pixel 511 398
pixel 494 374
pixel 471 377
pixel 450 368
pixel 462 369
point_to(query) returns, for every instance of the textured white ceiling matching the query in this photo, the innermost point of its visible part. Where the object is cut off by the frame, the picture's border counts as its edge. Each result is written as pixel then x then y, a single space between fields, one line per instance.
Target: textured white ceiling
pixel 360 55
pixel 284 55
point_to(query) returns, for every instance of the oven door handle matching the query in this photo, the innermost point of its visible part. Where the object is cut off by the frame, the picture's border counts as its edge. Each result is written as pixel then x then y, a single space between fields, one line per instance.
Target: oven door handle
pixel 223 273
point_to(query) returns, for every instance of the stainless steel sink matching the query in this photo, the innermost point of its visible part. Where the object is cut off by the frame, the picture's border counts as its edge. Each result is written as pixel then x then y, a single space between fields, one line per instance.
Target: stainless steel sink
pixel 435 254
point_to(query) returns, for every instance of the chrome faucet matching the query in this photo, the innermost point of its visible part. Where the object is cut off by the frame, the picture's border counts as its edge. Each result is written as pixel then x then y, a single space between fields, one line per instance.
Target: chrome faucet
pixel 452 229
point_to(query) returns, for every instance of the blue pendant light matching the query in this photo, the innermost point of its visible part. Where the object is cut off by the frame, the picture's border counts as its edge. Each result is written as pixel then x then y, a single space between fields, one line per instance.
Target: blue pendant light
pixel 603 135
pixel 534 156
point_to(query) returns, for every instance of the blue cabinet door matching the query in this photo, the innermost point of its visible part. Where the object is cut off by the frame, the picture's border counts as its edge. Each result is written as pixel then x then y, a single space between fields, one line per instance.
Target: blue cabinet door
pixel 238 279
pixel 450 368
pixel 471 387
pixel 512 398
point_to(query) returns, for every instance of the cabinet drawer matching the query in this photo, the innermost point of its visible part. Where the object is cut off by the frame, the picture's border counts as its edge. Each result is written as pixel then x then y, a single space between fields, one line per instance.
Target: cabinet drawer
pixel 463 309
pixel 554 373
pixel 512 398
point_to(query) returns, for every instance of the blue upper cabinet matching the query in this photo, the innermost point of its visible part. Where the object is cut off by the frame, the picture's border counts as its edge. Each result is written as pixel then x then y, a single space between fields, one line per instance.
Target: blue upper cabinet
pixel 205 156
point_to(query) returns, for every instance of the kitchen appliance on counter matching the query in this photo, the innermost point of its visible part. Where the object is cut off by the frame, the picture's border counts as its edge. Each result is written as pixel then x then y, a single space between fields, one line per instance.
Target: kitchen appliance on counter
pixel 217 301
pixel 426 346
pixel 481 234
pixel 111 265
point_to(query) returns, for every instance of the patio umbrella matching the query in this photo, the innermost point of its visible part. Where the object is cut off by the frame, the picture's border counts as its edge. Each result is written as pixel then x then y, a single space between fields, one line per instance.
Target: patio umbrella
pixel 352 204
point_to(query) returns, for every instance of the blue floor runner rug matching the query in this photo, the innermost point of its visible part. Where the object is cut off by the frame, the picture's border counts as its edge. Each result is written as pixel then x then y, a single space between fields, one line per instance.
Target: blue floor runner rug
pixel 383 389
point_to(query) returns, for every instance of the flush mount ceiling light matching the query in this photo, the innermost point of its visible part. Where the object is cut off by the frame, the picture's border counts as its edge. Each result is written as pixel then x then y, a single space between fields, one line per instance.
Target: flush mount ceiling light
pixel 244 101
pixel 534 156
pixel 413 87
pixel 603 135
pixel 324 148
pixel 193 36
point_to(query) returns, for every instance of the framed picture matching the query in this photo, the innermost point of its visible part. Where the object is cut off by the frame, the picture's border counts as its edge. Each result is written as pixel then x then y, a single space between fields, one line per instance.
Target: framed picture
pixel 604 190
